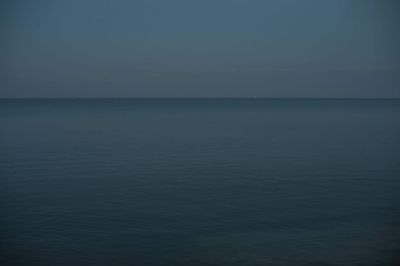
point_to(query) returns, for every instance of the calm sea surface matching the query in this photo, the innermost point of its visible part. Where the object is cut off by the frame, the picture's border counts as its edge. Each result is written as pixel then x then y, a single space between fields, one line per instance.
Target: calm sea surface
pixel 199 182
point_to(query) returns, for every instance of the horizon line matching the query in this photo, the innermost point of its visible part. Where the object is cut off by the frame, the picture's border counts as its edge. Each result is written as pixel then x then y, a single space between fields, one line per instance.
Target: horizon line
pixel 197 98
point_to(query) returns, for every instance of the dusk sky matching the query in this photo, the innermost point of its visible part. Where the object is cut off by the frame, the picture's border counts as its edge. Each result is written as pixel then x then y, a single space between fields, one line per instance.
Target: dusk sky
pixel 193 48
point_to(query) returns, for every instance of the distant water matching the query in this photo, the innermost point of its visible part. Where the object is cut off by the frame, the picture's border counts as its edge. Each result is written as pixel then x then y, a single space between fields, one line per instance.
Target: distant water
pixel 199 182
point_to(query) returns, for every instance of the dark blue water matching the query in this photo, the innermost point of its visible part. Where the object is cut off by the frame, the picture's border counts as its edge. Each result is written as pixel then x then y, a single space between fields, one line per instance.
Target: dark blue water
pixel 199 182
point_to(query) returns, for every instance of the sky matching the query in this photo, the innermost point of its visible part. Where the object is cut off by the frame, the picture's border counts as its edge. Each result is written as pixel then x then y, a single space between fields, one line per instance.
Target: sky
pixel 193 48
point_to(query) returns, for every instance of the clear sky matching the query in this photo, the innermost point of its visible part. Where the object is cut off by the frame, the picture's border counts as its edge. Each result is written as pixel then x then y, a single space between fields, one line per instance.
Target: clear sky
pixel 199 48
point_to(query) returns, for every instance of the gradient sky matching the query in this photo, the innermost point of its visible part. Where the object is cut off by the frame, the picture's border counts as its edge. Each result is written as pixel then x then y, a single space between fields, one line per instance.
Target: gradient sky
pixel 193 48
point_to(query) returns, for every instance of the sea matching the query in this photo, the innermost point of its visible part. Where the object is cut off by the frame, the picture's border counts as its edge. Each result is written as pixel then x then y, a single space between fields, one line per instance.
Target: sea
pixel 199 182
